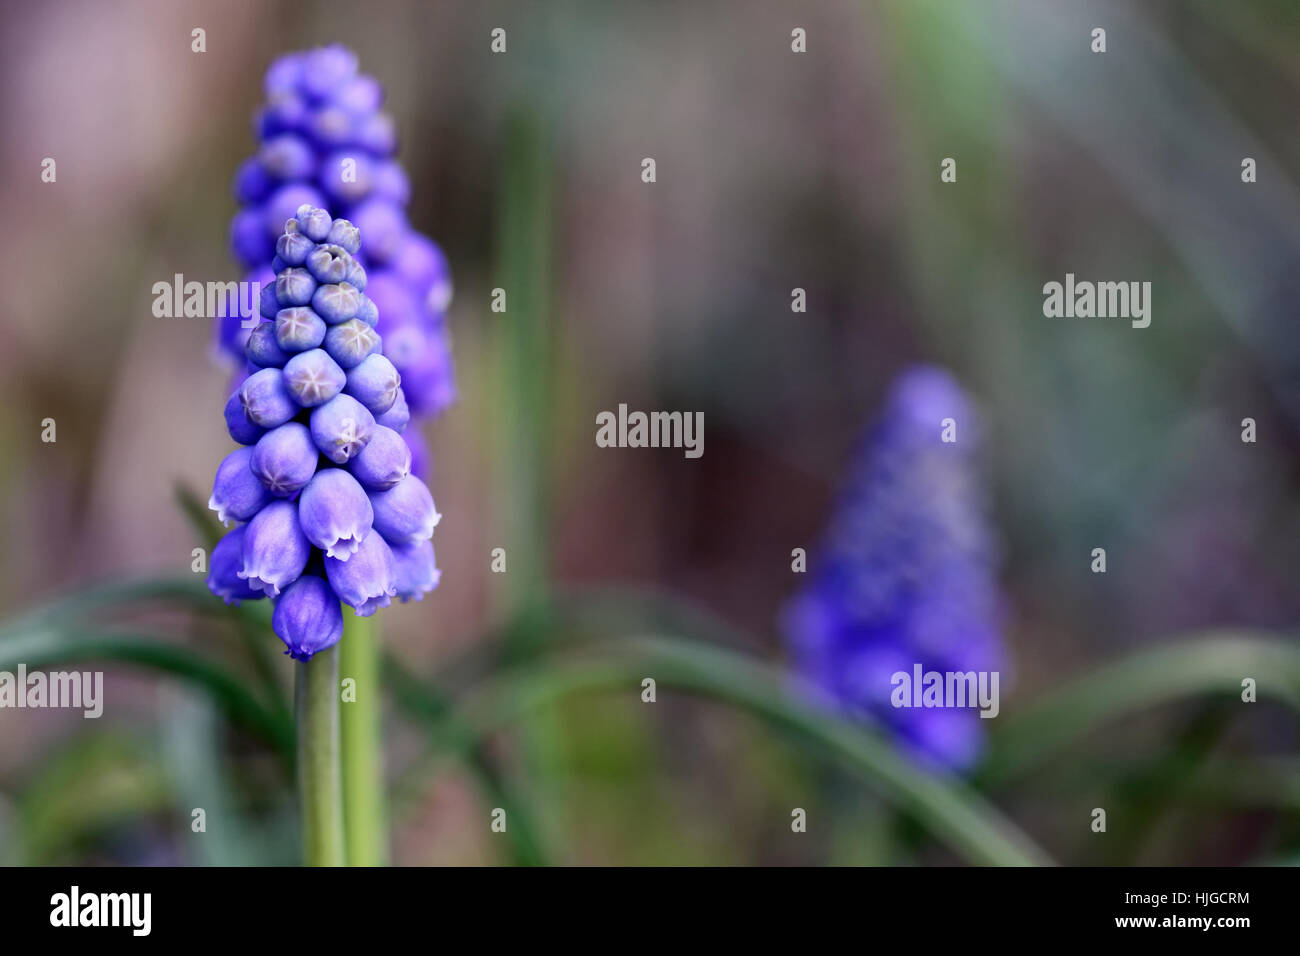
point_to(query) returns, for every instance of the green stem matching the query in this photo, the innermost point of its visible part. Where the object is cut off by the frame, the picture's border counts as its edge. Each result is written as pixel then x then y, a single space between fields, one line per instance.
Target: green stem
pixel 363 754
pixel 320 799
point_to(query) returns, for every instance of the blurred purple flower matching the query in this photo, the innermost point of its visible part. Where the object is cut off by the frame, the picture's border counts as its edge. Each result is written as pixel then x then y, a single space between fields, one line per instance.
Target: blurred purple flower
pixel 906 574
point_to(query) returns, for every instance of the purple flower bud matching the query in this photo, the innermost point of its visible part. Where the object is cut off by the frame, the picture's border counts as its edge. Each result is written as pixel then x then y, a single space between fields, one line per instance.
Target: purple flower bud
pixel 285 113
pixel 287 156
pixel 237 495
pixel 240 428
pixel 420 263
pixel 266 399
pixel 347 176
pixel 390 183
pixel 336 302
pixel 284 459
pixel 383 227
pixel 357 275
pixel 282 205
pixel 325 68
pixel 330 263
pixel 313 378
pixel 298 329
pixel 359 95
pixel 263 350
pixel 377 134
pixel 294 287
pixel 414 570
pixel 343 233
pixel 351 342
pixel 231 337
pixel 283 75
pixel 335 513
pixel 341 428
pixel 331 127
pixel 398 416
pixel 405 344
pixel 314 222
pixel 404 514
pixel 428 379
pixel 293 247
pixel 275 551
pixel 267 304
pixel 367 311
pixel 374 383
pixel 234 313
pixel 252 183
pixel 394 299
pixel 224 566
pixel 307 617
pixel 249 238
pixel 384 461
pixel 365 581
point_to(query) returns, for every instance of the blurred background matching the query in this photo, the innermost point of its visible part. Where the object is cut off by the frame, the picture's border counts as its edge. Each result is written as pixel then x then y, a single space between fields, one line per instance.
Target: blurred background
pixel 775 170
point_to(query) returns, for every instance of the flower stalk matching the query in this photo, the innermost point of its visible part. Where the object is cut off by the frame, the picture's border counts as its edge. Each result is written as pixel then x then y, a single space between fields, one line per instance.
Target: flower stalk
pixel 320 797
pixel 365 824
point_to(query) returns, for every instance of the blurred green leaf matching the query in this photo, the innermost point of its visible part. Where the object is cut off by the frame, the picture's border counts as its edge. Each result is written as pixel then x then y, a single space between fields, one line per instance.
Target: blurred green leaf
pixel 45 644
pixel 423 701
pixel 252 619
pixel 95 782
pixel 1213 664
pixel 950 810
pixel 195 767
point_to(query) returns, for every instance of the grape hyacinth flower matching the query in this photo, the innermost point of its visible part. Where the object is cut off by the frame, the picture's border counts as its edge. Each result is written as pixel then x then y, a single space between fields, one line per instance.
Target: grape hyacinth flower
pixel 906 574
pixel 324 141
pixel 328 518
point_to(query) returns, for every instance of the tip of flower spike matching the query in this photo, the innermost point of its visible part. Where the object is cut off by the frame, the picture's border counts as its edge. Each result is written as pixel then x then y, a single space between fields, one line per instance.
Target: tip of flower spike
pixel 926 395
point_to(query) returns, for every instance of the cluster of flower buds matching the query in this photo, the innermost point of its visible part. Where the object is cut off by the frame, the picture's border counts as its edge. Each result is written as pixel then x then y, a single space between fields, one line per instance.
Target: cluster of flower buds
pixel 322 480
pixel 906 575
pixel 326 143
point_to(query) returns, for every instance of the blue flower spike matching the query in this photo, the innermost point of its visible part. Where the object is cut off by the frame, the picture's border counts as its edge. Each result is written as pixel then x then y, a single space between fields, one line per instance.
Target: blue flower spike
pixel 327 519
